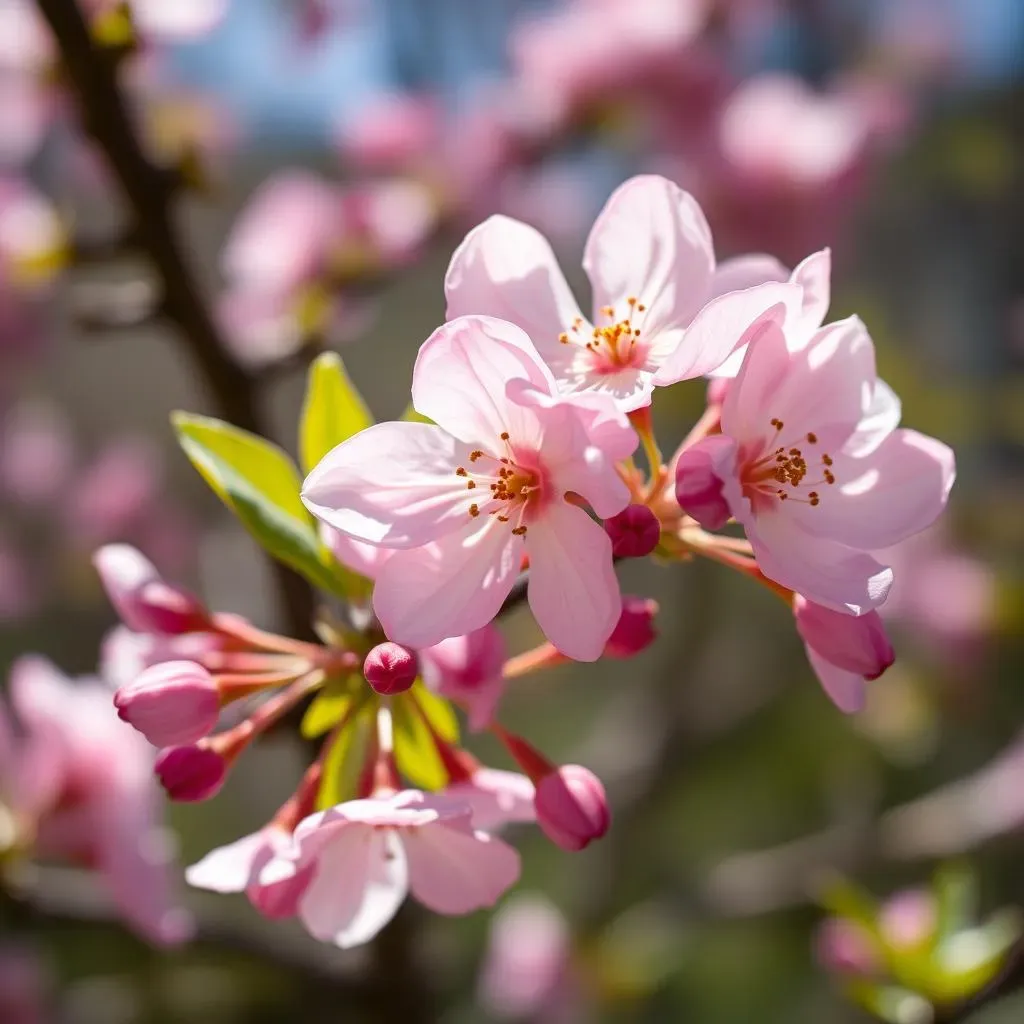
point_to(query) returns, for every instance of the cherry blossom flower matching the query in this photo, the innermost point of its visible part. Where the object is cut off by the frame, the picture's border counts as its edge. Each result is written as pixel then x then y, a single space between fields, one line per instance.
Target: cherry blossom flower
pixel 845 651
pixel 369 854
pixel 466 497
pixel 468 669
pixel 651 263
pixel 809 462
pixel 237 868
pixel 495 797
pixel 86 778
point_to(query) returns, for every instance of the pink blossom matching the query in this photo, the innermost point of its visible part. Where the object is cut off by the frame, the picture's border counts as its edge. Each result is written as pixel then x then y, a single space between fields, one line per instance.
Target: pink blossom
pixel 144 601
pixel 172 703
pixel 238 866
pixel 495 797
pixel 466 497
pixel 297 242
pixel 33 240
pixel 572 809
pixel 845 651
pixel 391 132
pixel 35 452
pixel 94 796
pixel 527 961
pixel 124 654
pixel 468 669
pixel 812 467
pixel 368 854
pixel 160 21
pixel 651 264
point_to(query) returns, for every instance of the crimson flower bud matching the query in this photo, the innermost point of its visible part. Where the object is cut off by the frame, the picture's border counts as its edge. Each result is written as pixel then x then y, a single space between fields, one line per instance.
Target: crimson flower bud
pixel 191 773
pixel 698 485
pixel 635 532
pixel 635 629
pixel 390 668
pixel 171 704
pixel 572 809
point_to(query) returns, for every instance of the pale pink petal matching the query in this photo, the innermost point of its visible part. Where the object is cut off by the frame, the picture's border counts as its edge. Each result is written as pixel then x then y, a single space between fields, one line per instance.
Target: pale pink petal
pixel 847 690
pixel 229 868
pixel 461 374
pixel 652 242
pixel 879 420
pixel 573 591
pixel 814 276
pixel 897 491
pixel 506 269
pixel 359 884
pixel 136 859
pixel 724 325
pixel 822 570
pixel 823 388
pixel 39 691
pixel 392 484
pixel 745 272
pixel 496 798
pixel 455 586
pixel 365 559
pixel 452 871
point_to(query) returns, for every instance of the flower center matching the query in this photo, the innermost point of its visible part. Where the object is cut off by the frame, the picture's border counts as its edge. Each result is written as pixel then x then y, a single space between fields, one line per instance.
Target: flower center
pixel 515 482
pixel 614 345
pixel 772 472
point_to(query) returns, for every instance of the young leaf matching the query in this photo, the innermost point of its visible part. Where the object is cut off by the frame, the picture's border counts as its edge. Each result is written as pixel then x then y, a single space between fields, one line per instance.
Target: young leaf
pixel 344 760
pixel 439 712
pixel 260 484
pixel 332 412
pixel 329 706
pixel 415 751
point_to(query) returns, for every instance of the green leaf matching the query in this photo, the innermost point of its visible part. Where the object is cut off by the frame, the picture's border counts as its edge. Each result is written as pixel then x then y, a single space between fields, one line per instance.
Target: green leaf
pixel 415 750
pixel 332 412
pixel 956 893
pixel 260 484
pixel 345 759
pixel 329 706
pixel 439 712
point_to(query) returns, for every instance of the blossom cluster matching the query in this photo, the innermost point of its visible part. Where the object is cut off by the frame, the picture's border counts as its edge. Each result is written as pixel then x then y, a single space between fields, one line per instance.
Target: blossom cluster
pixel 515 474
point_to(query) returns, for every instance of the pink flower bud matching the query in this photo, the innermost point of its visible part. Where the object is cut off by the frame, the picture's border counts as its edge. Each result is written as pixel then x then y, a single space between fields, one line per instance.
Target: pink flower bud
pixel 171 704
pixel 844 947
pixel 854 643
pixel 698 485
pixel 908 920
pixel 635 629
pixel 572 809
pixel 390 668
pixel 192 773
pixel 144 601
pixel 635 532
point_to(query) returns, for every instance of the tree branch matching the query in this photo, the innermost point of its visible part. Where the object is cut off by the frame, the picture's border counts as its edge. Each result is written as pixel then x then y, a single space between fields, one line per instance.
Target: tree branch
pixel 150 192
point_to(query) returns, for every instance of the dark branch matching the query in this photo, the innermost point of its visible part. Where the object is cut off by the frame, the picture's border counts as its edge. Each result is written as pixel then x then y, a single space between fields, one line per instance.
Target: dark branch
pixel 92 72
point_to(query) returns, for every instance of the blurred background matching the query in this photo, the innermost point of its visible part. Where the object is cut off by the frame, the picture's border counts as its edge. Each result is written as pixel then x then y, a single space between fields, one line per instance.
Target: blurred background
pixel 751 818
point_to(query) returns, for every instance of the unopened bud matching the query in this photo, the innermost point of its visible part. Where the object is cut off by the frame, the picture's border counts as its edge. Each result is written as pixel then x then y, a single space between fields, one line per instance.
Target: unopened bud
pixel 171 704
pixel 390 668
pixel 191 773
pixel 699 488
pixel 572 809
pixel 844 947
pixel 145 602
pixel 635 629
pixel 854 643
pixel 635 532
